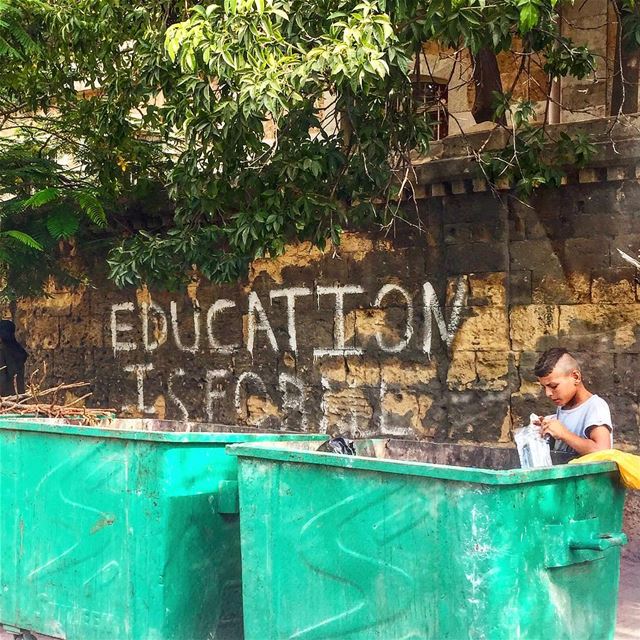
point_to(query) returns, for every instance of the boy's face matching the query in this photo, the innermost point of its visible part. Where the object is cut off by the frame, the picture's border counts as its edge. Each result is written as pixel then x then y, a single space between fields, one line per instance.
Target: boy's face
pixel 560 386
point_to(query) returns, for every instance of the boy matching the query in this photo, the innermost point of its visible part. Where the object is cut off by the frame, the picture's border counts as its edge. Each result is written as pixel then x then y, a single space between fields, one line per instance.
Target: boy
pixel 582 422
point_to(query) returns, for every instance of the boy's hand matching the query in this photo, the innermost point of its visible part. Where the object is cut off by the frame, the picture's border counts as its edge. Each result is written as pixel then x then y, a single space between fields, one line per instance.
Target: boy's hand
pixel 553 427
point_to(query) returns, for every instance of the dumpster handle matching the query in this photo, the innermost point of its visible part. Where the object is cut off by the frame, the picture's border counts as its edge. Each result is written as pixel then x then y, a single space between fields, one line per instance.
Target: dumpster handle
pixel 600 542
pixel 227 499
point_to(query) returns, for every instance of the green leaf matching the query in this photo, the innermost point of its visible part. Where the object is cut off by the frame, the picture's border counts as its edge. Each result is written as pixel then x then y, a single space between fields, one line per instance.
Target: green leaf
pixel 92 208
pixel 529 16
pixel 62 224
pixel 23 238
pixel 42 197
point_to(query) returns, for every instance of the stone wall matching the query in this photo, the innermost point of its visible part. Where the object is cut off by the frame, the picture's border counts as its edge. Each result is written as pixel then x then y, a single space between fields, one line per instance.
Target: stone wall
pixel 428 330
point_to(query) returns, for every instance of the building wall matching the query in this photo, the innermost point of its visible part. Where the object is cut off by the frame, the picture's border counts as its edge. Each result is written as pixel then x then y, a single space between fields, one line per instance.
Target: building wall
pixel 591 23
pixel 431 330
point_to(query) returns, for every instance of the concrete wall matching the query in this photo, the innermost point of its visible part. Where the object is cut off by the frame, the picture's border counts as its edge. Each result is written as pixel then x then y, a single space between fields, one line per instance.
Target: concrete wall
pixel 425 332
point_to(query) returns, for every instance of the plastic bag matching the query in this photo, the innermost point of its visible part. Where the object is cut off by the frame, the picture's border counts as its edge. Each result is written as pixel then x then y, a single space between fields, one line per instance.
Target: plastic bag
pixel 533 449
pixel 340 445
pixel 628 465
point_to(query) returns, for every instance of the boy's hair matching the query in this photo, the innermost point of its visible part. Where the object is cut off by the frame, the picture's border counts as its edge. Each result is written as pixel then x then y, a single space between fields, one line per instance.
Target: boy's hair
pixel 549 359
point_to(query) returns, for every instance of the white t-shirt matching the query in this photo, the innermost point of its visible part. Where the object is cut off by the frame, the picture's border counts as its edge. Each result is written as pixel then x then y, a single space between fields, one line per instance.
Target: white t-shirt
pixel 592 412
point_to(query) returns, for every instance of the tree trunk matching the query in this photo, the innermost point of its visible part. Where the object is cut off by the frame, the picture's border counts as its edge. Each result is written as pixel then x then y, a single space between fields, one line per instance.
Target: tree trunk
pixel 486 79
pixel 624 91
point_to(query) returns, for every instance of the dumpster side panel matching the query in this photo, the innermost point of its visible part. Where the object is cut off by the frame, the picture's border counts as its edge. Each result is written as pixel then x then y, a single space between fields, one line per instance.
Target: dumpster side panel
pixel 201 577
pixel 347 553
pixel 66 543
pixel 333 558
pixel 110 538
pixel 509 548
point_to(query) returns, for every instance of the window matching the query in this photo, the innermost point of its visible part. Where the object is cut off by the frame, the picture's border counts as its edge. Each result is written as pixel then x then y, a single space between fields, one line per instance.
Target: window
pixel 430 97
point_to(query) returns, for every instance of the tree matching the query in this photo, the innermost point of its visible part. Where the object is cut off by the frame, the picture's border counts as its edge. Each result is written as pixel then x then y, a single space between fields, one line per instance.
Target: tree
pixel 173 99
pixel 626 66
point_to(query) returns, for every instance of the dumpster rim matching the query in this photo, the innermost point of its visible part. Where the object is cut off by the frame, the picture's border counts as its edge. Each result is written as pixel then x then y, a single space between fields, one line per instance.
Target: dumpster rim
pixel 169 437
pixel 270 452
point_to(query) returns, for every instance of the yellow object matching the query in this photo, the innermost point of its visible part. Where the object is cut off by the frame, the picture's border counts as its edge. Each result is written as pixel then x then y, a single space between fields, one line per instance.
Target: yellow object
pixel 628 464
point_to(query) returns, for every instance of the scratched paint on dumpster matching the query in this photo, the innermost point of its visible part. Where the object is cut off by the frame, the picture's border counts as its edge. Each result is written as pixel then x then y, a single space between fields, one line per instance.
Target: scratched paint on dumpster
pixel 83 531
pixel 385 554
pixel 372 543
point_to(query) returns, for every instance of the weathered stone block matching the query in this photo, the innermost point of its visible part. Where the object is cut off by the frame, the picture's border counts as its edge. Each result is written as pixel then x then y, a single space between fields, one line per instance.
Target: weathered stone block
pixel 462 370
pixel 487 289
pixel 397 372
pixel 522 406
pixel 526 362
pixel 616 173
pixel 458 187
pixel 362 372
pixel 520 287
pixel 473 208
pixel 534 255
pixel 82 332
pixel 533 327
pixel 601 327
pixel 347 412
pixel 606 225
pixel 69 364
pixel 626 373
pixel 598 372
pixel 485 328
pixel 616 285
pixel 492 370
pixel 43 334
pixel 403 413
pixel 438 190
pixel 333 369
pixel 476 256
pixel 477 415
pixel 56 302
pixel 569 288
pixel 516 225
pixel 584 254
pixel 624 415
pixel 457 233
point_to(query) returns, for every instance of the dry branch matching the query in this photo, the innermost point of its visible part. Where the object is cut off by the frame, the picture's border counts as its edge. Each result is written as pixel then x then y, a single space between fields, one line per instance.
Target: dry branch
pixel 43 403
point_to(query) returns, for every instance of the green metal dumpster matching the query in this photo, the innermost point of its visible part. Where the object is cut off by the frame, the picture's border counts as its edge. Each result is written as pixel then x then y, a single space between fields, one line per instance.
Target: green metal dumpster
pixel 417 541
pixel 120 535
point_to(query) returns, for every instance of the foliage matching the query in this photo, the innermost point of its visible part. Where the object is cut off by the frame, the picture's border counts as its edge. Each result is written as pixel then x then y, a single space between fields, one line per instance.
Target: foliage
pixel 181 95
pixel 534 156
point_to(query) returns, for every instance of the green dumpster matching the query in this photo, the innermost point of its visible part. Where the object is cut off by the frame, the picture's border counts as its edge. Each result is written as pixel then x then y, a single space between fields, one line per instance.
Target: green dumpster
pixel 120 535
pixel 417 541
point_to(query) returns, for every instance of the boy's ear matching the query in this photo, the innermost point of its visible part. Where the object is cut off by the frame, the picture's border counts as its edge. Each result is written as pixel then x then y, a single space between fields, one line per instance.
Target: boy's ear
pixel 577 376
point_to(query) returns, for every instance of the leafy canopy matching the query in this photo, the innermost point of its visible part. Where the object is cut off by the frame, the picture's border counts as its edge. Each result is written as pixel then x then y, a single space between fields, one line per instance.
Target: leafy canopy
pixel 262 121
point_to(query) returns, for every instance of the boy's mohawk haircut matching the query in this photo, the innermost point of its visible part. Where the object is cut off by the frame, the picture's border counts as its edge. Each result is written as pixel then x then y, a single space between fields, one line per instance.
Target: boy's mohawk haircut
pixel 548 360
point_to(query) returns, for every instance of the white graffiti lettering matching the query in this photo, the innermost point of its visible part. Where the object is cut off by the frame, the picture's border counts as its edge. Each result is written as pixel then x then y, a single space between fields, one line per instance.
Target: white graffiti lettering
pixel 177 373
pixel 214 310
pixel 431 307
pixel 160 322
pixel 256 308
pixel 294 401
pixel 385 291
pixel 176 332
pixel 117 327
pixel 214 392
pixel 141 370
pixel 291 294
pixel 339 348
